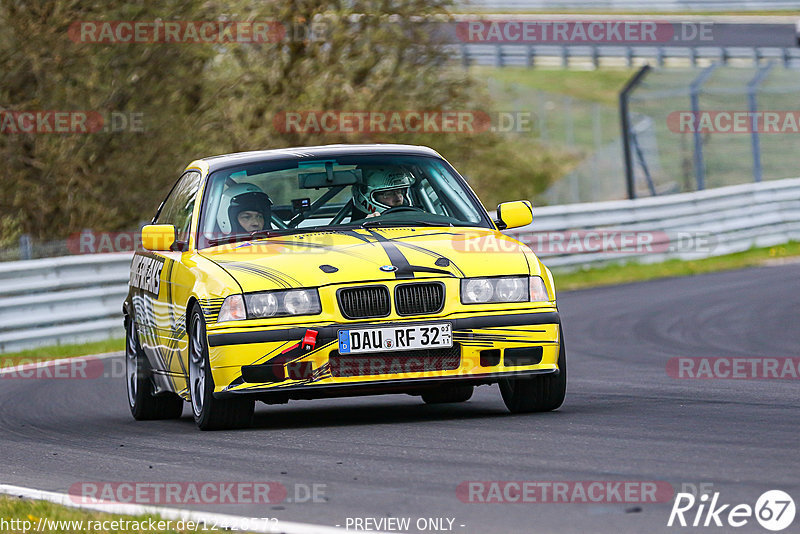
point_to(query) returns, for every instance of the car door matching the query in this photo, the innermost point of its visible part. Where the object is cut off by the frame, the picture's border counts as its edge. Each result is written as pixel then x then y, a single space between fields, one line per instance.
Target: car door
pixel 177 281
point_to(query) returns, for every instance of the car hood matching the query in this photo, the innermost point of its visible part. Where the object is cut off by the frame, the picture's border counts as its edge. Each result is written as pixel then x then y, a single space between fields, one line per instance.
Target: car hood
pixel 365 255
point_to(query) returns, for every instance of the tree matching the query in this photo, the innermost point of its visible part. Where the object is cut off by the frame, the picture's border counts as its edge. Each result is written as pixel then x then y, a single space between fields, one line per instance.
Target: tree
pixel 204 98
pixel 58 183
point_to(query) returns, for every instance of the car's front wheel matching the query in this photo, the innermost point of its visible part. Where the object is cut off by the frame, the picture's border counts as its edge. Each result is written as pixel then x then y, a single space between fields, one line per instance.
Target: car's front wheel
pixel 541 393
pixel 143 403
pixel 211 413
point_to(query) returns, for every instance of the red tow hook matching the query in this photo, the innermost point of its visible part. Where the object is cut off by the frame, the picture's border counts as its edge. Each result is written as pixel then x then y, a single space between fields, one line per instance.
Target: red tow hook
pixel 310 340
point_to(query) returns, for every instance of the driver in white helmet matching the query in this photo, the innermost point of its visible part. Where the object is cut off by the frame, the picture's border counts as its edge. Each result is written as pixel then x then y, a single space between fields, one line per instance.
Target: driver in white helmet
pixel 384 187
pixel 244 209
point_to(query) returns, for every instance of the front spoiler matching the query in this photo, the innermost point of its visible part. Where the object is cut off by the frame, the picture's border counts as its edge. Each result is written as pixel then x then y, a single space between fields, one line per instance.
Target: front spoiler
pixel 331 331
pixel 407 385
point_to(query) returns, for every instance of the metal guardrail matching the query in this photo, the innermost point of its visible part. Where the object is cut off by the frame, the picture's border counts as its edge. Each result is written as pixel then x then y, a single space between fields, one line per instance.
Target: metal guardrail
pixel 515 55
pixel 686 226
pixel 62 300
pixel 648 6
pixel 79 298
pixel 499 40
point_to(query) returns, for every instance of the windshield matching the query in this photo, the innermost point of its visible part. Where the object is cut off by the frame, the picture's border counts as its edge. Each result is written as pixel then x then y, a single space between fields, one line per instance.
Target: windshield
pixel 283 197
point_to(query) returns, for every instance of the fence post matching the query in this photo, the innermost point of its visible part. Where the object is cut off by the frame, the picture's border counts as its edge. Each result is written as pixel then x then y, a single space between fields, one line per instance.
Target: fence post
pixel 25 247
pixel 650 185
pixel 569 129
pixel 752 87
pixel 694 95
pixel 530 54
pixel 597 135
pixel 625 120
pixel 543 132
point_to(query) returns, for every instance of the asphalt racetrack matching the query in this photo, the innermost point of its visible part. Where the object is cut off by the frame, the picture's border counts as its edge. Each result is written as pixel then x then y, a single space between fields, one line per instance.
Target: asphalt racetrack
pixel 625 419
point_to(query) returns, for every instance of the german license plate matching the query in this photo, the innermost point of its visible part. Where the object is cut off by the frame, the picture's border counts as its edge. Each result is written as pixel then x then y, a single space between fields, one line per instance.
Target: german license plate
pixel 396 338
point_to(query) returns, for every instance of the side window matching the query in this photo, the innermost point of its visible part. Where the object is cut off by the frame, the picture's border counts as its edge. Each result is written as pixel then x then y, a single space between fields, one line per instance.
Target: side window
pixel 178 207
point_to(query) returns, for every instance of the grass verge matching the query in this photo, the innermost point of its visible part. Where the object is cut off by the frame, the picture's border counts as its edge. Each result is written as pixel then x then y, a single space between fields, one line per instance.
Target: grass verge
pixel 600 85
pixel 621 274
pixel 23 516
pixel 57 352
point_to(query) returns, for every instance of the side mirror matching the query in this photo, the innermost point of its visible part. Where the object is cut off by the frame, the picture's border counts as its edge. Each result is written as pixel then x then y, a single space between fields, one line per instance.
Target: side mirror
pixel 514 214
pixel 158 237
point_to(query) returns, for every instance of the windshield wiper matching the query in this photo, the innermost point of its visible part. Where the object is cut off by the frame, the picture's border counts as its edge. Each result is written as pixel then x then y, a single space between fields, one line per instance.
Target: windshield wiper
pixel 258 234
pixel 377 224
pixel 263 234
pixel 227 239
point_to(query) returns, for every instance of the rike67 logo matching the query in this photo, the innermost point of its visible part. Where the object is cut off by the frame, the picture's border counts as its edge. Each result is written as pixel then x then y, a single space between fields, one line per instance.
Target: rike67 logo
pixel 774 510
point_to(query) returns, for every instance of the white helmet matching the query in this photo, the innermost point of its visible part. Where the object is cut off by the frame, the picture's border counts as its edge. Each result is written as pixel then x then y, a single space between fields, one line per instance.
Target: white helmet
pixel 238 198
pixel 378 179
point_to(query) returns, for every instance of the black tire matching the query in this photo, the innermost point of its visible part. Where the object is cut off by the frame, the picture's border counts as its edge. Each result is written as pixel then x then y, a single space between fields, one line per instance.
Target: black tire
pixel 541 393
pixel 448 394
pixel 211 413
pixel 144 405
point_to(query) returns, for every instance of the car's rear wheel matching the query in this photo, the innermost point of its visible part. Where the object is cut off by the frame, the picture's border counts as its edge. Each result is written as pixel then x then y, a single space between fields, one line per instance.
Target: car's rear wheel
pixel 211 413
pixel 143 403
pixel 541 393
pixel 447 394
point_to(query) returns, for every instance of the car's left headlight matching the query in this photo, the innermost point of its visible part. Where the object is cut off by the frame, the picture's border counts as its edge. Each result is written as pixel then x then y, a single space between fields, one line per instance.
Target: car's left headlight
pixel 503 289
pixel 282 303
pixel 270 304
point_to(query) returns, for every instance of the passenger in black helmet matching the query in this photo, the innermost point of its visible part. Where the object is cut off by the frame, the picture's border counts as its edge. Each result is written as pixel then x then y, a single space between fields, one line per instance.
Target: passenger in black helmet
pixel 245 209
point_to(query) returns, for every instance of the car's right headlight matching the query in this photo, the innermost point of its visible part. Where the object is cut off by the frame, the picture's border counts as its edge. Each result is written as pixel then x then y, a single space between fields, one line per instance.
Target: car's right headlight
pixel 503 289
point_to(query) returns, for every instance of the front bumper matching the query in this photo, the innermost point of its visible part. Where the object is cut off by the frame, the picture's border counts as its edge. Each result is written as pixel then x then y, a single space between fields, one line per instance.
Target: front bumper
pixel 272 362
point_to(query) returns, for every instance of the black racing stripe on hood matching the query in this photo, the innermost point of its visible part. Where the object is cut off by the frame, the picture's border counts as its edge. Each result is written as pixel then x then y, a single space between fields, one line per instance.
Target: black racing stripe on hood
pixel 404 269
pixel 434 254
pixel 353 233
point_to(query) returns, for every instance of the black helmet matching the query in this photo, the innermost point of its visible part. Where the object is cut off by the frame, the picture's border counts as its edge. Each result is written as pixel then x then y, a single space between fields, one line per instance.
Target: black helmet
pixel 243 197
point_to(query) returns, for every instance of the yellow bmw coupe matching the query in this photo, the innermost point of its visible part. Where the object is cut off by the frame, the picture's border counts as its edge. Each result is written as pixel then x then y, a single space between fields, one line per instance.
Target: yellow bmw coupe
pixel 333 271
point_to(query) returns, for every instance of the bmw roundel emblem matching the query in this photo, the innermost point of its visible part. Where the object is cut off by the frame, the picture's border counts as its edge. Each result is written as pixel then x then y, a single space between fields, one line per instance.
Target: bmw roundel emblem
pixel 388 268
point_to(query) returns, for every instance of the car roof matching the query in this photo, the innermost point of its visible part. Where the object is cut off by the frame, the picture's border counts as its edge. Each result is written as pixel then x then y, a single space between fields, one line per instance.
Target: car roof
pixel 243 158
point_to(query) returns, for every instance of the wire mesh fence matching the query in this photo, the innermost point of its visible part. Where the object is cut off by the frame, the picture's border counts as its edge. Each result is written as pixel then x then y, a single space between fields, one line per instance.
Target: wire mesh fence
pixel 589 130
pixel 704 128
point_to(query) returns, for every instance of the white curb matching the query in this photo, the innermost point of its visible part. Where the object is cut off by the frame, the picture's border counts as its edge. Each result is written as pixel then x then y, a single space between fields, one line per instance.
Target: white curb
pixel 176 514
